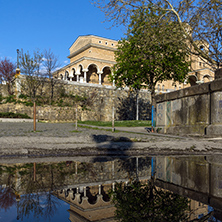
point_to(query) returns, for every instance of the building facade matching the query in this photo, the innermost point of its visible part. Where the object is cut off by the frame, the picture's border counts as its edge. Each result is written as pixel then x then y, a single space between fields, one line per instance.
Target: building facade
pixel 91 60
pixel 92 57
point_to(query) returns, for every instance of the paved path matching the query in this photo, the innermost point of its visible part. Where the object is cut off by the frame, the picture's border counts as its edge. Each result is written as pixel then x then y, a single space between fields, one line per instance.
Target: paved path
pixel 63 139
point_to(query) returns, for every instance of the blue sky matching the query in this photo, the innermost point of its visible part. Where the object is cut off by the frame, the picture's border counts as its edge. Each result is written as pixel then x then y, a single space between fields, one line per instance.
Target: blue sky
pixel 44 24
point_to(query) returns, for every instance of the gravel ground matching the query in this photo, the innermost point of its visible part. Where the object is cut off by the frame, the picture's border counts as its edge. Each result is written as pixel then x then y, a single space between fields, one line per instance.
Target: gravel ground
pixel 18 139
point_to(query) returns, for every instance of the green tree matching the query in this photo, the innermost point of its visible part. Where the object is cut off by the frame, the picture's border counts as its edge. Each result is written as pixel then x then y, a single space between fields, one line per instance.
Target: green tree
pixel 144 202
pixel 150 53
pixel 200 22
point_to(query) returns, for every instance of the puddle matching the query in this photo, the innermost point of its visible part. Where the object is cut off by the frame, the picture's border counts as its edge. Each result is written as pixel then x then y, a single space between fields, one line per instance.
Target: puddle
pixel 77 188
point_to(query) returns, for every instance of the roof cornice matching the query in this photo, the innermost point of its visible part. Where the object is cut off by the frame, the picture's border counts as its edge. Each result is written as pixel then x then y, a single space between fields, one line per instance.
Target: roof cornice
pixel 91 45
pixel 84 58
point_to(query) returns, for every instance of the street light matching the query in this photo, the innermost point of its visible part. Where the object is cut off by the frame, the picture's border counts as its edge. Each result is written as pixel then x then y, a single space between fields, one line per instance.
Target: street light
pixel 17 71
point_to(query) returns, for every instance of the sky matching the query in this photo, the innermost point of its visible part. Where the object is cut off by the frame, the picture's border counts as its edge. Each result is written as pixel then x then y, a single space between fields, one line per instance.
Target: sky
pixel 50 24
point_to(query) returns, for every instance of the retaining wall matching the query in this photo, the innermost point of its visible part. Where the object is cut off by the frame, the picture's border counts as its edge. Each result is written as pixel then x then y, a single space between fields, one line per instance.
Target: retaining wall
pixel 193 110
pixel 100 109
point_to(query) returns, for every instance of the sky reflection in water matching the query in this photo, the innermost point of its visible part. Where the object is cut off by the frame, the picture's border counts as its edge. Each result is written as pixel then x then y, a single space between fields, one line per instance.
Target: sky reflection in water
pixel 26 188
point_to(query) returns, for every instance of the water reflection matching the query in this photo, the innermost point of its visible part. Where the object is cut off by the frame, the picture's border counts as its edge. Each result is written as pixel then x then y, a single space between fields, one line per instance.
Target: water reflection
pixel 39 190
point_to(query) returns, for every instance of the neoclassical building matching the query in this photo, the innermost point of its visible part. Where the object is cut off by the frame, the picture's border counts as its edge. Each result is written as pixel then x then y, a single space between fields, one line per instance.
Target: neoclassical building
pixel 92 57
pixel 201 73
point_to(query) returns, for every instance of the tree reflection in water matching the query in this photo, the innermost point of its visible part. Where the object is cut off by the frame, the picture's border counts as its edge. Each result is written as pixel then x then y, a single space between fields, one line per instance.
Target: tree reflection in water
pixel 29 186
pixel 7 198
pixel 39 204
pixel 143 201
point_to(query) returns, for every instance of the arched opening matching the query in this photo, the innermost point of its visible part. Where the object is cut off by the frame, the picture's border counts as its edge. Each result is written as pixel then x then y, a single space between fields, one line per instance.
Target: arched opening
pixel 192 80
pixel 92 76
pixel 61 76
pixel 105 76
pixel 67 76
pixel 207 78
pixel 80 73
pixel 73 75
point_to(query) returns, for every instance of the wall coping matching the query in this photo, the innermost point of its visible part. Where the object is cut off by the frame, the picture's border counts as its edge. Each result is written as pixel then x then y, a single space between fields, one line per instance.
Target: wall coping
pixel 204 88
pixel 16 120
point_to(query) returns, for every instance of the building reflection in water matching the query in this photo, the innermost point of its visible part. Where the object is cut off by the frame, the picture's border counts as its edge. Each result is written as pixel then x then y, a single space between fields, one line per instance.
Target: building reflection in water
pixel 85 185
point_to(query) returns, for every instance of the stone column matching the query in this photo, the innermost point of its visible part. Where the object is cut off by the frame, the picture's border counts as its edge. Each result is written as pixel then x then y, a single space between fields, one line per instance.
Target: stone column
pixel 70 77
pixel 113 186
pixel 85 77
pixel 84 191
pixel 77 77
pixel 100 79
pixel 113 81
pixel 100 190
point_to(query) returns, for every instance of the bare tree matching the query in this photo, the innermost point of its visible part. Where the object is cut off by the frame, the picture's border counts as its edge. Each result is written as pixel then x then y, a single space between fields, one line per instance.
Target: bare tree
pixel 200 21
pixel 50 63
pixel 31 69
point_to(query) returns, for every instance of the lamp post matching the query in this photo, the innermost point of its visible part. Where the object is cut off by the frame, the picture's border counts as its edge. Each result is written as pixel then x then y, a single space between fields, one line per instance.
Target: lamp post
pixel 17 71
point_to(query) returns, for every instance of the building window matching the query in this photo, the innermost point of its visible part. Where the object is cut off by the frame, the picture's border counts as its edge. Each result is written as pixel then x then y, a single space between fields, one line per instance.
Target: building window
pixel 163 88
pixel 175 87
pixel 100 41
pixel 199 63
pixel 158 87
pixel 112 44
pixel 106 43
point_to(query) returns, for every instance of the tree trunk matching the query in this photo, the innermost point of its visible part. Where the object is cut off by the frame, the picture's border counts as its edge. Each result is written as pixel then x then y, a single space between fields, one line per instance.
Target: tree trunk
pixel 34 116
pixel 153 108
pixel 76 116
pixel 113 114
pixel 113 118
pixel 137 104
pixel 52 91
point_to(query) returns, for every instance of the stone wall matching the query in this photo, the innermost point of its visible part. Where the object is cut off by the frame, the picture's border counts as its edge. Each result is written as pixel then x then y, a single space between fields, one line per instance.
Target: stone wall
pixel 100 107
pixel 3 90
pixel 194 110
pixel 47 113
pixel 102 103
pixel 218 74
pixel 196 177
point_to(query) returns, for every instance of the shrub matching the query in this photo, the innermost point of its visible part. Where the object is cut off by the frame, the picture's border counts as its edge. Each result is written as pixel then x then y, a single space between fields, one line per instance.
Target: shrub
pixel 28 103
pixel 10 99
pixel 22 96
pixel 14 115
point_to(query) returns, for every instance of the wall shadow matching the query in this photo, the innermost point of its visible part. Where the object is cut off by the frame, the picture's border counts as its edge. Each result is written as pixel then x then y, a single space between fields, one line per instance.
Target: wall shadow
pixel 126 108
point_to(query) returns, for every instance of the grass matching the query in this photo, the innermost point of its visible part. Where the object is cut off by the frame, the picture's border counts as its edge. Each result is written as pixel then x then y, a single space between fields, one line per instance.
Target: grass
pixel 75 131
pixel 96 128
pixel 124 123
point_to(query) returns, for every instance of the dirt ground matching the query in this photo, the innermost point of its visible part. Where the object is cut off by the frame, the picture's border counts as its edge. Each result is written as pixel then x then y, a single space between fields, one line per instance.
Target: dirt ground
pixel 61 139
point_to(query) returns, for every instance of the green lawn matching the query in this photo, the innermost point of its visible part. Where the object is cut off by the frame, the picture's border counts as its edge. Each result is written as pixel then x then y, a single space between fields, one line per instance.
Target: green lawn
pixel 126 123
